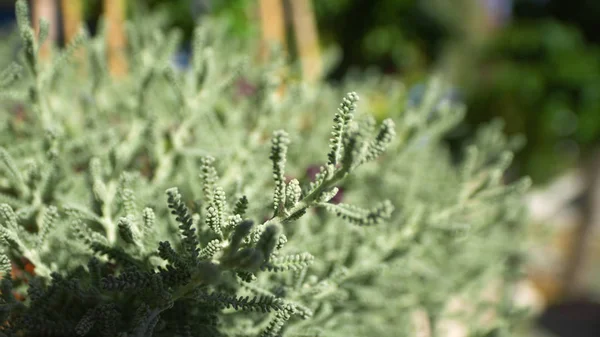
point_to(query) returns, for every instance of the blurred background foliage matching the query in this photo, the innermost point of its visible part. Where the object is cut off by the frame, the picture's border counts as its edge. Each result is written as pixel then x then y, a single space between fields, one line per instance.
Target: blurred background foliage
pixel 534 63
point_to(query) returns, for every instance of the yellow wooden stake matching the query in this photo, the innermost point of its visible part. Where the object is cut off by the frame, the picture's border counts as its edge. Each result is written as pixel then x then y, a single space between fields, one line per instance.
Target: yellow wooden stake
pixel 72 15
pixel 307 39
pixel 272 25
pixel 114 14
pixel 45 9
pixel 72 18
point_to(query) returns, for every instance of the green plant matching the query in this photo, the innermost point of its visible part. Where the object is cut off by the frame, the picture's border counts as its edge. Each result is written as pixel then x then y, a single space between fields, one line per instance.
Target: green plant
pixel 148 205
pixel 544 88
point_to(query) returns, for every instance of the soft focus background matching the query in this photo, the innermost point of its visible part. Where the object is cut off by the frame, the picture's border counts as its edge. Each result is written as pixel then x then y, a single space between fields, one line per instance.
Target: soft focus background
pixel 535 64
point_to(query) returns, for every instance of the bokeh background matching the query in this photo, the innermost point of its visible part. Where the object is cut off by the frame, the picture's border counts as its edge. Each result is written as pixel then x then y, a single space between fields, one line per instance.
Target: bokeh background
pixel 534 64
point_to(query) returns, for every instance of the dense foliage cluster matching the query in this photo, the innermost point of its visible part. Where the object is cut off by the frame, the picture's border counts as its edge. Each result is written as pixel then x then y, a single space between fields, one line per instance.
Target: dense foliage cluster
pixel 172 203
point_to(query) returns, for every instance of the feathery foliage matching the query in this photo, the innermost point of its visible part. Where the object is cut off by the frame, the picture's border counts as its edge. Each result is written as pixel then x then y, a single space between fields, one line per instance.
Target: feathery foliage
pixel 152 206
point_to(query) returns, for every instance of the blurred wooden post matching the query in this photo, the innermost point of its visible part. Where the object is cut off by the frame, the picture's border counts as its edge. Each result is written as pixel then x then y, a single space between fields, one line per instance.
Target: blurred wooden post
pixel 72 18
pixel 307 39
pixel 114 14
pixel 579 268
pixel 45 9
pixel 272 25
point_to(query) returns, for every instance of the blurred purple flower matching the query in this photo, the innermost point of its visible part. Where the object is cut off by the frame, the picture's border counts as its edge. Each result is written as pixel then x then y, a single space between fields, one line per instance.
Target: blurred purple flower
pixel 339 196
pixel 181 60
pixel 499 11
pixel 417 93
pixel 245 88
pixel 311 172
